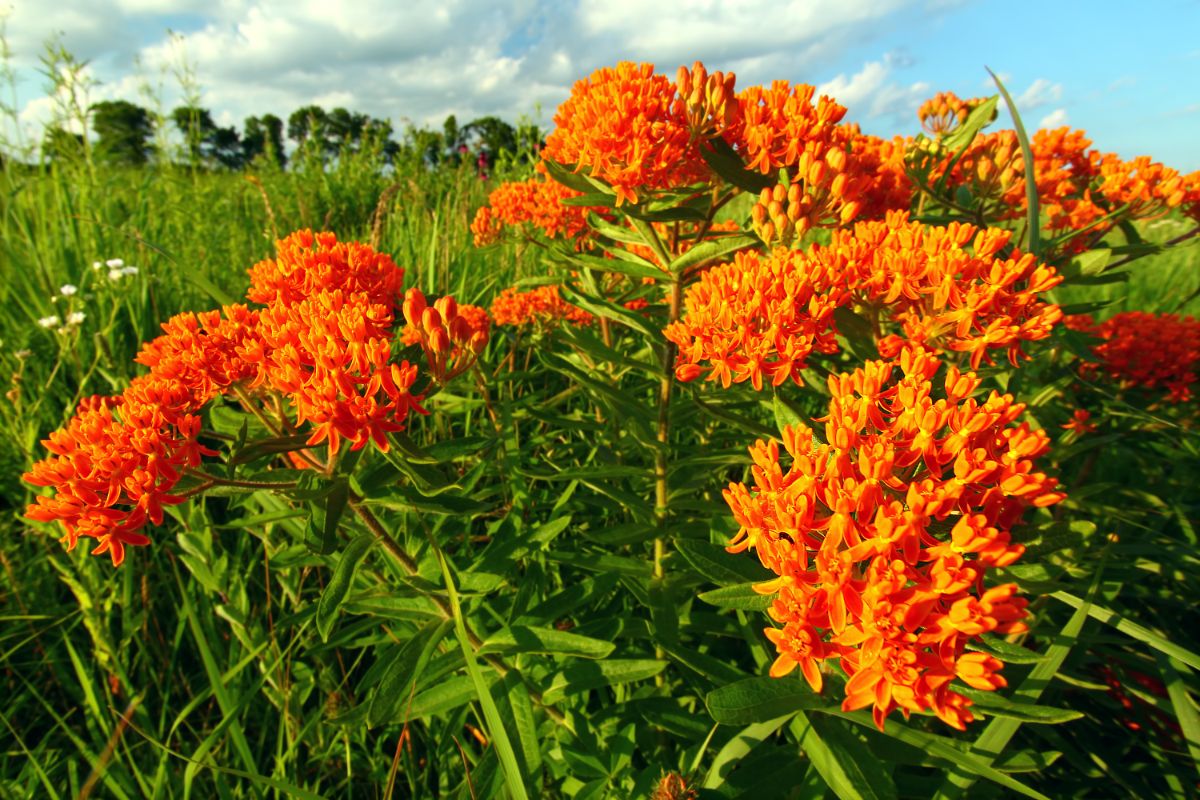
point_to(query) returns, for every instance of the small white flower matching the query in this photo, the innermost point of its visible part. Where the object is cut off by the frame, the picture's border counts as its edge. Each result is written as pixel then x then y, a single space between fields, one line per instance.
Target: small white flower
pixel 23 354
pixel 76 317
pixel 97 265
pixel 115 263
pixel 116 274
pixel 68 289
pixel 51 321
pixel 131 270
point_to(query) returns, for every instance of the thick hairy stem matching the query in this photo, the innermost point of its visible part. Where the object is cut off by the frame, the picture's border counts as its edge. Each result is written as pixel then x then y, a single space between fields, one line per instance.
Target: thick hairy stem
pixel 406 563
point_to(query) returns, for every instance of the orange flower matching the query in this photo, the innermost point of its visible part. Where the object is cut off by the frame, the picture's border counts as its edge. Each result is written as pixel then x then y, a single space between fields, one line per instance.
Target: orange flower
pixel 1079 424
pixel 323 341
pixel 755 317
pixel 451 335
pixel 537 202
pixel 538 307
pixel 944 112
pixel 882 536
pixel 622 126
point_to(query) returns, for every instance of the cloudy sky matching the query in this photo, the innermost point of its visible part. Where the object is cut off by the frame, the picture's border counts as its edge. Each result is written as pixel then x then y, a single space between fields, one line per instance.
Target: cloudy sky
pixel 1127 73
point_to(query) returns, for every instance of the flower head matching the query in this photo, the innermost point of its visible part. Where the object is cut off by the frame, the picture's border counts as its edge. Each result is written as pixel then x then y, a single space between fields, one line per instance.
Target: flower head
pixel 882 532
pixel 622 125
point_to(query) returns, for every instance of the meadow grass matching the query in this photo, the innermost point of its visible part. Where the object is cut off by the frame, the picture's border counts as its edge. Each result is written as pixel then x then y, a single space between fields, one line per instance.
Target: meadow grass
pixel 199 673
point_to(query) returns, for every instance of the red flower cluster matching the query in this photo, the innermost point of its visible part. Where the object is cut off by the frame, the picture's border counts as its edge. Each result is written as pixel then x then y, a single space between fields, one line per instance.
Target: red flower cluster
pixel 323 341
pixel 882 536
pixel 1151 351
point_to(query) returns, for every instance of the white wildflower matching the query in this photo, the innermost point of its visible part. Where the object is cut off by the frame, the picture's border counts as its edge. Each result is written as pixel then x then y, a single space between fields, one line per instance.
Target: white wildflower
pixel 68 289
pixel 97 265
pixel 114 263
pixel 130 270
pixel 23 354
pixel 51 321
pixel 116 274
pixel 76 317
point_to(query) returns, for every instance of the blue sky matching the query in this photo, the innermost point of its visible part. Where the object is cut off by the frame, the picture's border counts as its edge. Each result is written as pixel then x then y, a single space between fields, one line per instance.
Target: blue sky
pixel 1129 75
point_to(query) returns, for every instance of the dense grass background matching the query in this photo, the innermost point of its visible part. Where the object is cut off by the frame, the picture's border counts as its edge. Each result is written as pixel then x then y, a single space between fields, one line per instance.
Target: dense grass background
pixel 194 666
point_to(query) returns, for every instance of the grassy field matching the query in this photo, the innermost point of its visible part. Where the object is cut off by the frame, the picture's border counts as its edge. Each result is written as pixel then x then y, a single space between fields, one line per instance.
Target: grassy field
pixel 196 672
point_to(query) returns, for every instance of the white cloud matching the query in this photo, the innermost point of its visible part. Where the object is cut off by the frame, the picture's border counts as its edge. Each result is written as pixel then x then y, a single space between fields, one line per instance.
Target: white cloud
pixel 869 94
pixel 1055 119
pixel 1040 93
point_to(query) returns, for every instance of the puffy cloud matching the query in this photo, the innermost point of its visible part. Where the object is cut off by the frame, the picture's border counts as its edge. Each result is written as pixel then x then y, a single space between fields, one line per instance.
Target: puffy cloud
pixel 1055 119
pixel 1040 93
pixel 869 94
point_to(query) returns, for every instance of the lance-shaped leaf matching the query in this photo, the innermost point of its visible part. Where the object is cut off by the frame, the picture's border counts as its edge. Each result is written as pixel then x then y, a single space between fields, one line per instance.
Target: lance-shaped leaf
pixel 339 584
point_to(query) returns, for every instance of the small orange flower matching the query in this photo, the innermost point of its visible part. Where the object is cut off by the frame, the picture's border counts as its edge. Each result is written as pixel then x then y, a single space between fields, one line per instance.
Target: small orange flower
pixel 1079 424
pixel 538 203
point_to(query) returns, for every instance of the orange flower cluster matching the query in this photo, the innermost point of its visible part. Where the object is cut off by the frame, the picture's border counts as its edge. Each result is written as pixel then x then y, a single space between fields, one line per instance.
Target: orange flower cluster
pixel 326 338
pixel 1152 351
pixel 625 128
pixel 882 537
pixel 890 188
pixel 451 335
pixel 944 112
pixel 114 465
pixel 323 341
pixel 1077 186
pixel 758 317
pixel 940 293
pixel 537 202
pixel 541 307
pixel 706 101
pixel 781 128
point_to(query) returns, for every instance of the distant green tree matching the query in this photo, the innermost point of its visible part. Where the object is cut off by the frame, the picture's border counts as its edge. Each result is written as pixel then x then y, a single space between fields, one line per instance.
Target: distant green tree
pixel 263 137
pixel 308 127
pixel 492 135
pixel 123 132
pixel 207 143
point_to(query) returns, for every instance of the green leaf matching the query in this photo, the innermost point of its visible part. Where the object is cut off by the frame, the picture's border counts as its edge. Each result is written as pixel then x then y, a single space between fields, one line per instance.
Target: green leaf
pixel 741 596
pixel 339 585
pixel 728 757
pixel 711 561
pixel 763 698
pixel 514 779
pixel 391 702
pixel 1185 708
pixel 622 261
pixel 590 675
pixel 1032 211
pixel 724 161
pixel 785 413
pixel 851 770
pixel 1132 629
pixel 267 447
pixel 1091 262
pixel 998 706
pixel 527 639
pixel 856 331
pixel 326 515
pixel 569 176
pixel 447 503
pixel 710 251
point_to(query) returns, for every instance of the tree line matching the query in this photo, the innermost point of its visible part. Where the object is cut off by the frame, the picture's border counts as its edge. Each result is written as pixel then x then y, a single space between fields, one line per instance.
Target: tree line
pixel 123 134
